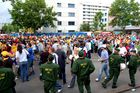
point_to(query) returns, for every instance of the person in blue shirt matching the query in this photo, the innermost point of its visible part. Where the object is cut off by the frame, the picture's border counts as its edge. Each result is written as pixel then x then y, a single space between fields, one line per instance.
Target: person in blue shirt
pixel 30 58
pixel 104 62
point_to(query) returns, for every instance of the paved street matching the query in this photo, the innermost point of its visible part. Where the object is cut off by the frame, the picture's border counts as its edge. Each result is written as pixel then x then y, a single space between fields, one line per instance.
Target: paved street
pixel 36 86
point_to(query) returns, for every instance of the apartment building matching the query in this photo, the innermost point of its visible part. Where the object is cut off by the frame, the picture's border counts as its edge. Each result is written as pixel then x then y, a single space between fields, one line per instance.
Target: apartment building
pixel 90 10
pixel 72 13
pixel 67 15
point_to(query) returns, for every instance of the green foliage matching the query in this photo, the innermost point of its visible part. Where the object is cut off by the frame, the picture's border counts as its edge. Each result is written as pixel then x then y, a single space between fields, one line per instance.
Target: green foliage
pixel 32 14
pixel 85 27
pixel 125 13
pixel 97 22
pixel 101 25
pixel 8 28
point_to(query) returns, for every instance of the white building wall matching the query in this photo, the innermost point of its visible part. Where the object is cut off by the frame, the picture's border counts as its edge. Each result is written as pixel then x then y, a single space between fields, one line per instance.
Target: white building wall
pixel 84 12
pixel 64 18
pixel 90 10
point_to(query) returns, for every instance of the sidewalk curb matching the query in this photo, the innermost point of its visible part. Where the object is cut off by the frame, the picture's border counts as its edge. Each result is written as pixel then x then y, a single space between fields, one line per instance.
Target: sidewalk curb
pixel 123 89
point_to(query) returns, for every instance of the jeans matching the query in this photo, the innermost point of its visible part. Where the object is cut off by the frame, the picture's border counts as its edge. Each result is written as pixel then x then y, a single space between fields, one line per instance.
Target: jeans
pixel 105 69
pixel 23 70
pixel 89 54
pixel 72 82
pixel 62 75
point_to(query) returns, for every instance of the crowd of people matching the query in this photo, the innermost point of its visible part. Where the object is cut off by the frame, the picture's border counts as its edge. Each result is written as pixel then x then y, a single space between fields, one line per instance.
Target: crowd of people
pixel 19 54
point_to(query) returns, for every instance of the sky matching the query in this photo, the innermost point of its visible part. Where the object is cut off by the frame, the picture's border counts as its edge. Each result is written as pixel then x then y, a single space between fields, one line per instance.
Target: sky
pixel 5 16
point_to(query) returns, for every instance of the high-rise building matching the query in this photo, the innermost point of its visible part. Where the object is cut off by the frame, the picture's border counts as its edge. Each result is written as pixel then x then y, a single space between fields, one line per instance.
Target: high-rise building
pixel 72 13
pixel 90 10
pixel 67 15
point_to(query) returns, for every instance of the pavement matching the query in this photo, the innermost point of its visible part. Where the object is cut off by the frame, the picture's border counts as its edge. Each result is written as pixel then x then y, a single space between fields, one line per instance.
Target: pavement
pixel 36 86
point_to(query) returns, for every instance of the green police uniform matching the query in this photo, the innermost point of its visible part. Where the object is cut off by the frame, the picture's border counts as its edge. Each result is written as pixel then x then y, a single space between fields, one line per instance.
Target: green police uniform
pixel 133 63
pixel 7 82
pixel 49 75
pixel 114 71
pixel 83 67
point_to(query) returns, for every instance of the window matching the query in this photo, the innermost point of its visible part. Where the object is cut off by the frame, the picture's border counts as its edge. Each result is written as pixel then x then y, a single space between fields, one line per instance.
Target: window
pixel 71 14
pixel 58 4
pixel 105 19
pixel 71 30
pixel 59 14
pixel 71 5
pixel 71 23
pixel 59 30
pixel 59 23
pixel 102 20
pixel 105 14
pixel 84 5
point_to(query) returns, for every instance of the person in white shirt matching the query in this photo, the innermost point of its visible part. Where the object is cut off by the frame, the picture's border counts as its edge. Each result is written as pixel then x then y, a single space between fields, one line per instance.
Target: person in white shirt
pixel 40 46
pixel 21 57
pixel 123 50
pixel 55 45
pixel 88 46
pixel 134 48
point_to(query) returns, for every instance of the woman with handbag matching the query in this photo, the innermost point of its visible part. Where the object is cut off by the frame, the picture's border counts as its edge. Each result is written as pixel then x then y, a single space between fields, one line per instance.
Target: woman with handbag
pixel 21 57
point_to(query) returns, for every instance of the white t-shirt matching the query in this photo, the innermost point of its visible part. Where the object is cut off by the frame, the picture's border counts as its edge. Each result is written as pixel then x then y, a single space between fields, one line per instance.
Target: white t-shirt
pixel 123 51
pixel 55 46
pixel 34 47
pixel 23 56
pixel 56 58
pixel 134 49
pixel 88 46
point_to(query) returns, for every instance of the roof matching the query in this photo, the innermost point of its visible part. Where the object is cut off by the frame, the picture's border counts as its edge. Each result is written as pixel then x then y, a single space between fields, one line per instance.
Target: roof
pixel 128 28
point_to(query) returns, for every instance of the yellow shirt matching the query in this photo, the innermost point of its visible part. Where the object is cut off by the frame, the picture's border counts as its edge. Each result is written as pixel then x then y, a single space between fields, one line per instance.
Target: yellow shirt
pixel 14 48
pixel 6 54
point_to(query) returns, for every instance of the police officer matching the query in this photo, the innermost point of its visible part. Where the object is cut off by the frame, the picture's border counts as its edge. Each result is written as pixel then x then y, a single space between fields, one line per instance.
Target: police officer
pixel 83 67
pixel 132 65
pixel 49 72
pixel 114 71
pixel 7 80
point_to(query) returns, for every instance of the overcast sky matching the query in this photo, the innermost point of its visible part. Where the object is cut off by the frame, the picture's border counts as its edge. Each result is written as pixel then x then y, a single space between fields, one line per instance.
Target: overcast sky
pixel 5 17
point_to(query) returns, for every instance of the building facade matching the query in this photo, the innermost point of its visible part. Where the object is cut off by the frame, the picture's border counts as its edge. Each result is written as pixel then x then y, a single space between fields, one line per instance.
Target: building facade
pixel 90 10
pixel 72 13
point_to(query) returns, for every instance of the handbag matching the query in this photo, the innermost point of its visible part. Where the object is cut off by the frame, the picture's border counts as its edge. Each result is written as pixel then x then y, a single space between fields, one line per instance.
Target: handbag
pixel 122 66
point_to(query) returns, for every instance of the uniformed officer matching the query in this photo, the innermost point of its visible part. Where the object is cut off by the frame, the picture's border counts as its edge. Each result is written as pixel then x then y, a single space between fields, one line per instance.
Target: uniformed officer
pixel 7 80
pixel 83 67
pixel 132 65
pixel 114 71
pixel 49 72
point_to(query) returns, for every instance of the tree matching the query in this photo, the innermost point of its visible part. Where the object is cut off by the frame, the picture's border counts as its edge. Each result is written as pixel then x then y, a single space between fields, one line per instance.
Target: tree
pixel 8 28
pixel 85 27
pixel 97 22
pixel 32 14
pixel 125 13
